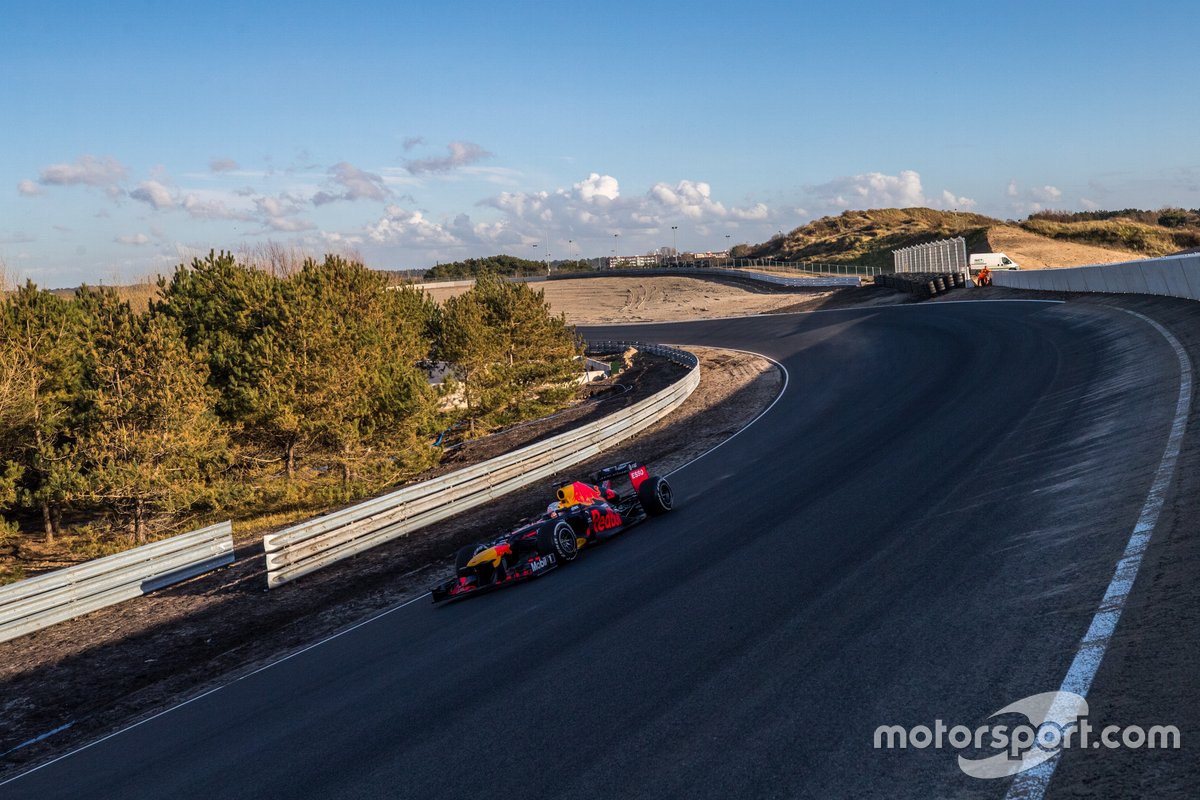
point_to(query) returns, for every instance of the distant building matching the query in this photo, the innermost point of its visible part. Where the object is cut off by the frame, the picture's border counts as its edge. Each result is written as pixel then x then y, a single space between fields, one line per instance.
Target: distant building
pixel 664 257
pixel 627 262
pixel 708 256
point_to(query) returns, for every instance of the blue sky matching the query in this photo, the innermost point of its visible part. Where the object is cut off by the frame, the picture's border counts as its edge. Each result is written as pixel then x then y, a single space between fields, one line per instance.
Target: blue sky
pixel 139 134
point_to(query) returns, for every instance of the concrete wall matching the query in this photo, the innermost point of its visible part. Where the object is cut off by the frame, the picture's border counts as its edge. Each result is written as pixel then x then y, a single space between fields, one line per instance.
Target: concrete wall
pixel 1173 276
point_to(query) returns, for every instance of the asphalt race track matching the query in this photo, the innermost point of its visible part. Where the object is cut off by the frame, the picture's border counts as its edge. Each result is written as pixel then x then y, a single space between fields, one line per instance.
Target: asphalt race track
pixel 920 529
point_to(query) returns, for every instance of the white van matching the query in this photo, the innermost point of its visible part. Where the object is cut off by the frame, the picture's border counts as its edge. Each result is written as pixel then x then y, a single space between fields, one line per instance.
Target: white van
pixel 994 261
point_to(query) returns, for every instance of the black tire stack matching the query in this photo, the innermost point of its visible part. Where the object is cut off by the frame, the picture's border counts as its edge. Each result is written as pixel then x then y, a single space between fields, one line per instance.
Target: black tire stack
pixel 922 285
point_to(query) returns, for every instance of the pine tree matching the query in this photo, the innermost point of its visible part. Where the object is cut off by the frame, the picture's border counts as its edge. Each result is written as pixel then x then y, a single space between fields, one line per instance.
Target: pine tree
pixel 337 373
pixel 516 359
pixel 12 416
pixel 221 307
pixel 41 338
pixel 150 441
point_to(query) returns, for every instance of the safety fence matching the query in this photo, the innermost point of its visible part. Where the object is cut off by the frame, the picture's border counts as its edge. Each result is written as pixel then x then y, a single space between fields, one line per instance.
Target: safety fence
pixel 1173 276
pixel 802 266
pixel 310 546
pixel 36 603
pixel 945 255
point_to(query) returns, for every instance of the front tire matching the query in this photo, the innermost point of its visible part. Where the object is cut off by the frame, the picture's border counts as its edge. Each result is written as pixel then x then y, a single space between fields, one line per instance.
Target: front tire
pixel 558 539
pixel 464 556
pixel 656 496
pixel 484 573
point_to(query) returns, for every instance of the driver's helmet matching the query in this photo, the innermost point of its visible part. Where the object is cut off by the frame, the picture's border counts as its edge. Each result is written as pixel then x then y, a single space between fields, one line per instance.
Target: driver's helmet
pixel 553 507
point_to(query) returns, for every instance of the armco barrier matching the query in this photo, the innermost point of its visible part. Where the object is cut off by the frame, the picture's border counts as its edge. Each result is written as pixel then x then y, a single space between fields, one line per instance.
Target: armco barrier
pixel 36 603
pixel 652 272
pixel 1172 276
pixel 311 545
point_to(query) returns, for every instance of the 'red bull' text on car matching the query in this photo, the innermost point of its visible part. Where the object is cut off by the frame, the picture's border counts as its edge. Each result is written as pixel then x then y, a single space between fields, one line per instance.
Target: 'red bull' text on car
pixel 612 500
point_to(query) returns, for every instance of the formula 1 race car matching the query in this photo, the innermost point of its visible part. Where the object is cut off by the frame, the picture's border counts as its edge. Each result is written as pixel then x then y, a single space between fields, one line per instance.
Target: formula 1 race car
pixel 613 499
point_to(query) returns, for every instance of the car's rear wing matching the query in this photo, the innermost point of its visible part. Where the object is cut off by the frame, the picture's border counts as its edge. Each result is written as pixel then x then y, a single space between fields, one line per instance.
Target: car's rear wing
pixel 635 471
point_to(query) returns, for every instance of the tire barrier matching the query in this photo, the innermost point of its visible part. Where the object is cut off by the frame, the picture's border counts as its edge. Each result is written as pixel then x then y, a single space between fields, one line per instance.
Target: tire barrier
pixel 922 285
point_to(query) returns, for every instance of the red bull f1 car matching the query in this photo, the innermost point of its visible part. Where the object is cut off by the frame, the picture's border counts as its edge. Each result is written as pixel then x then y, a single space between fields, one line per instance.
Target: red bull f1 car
pixel 612 500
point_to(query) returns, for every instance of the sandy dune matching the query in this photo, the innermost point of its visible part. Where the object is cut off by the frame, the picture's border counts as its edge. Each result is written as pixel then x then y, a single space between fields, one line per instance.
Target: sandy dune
pixel 1039 252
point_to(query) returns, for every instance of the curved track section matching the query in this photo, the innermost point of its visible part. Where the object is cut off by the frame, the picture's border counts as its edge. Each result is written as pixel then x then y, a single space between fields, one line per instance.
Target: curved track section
pixel 920 529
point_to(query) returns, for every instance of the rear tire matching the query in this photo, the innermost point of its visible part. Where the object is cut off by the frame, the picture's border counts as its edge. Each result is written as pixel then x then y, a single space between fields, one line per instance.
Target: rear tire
pixel 558 539
pixel 656 496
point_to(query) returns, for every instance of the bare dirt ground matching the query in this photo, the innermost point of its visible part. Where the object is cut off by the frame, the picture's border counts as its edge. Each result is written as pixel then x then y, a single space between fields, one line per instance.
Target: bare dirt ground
pixel 1039 252
pixel 105 670
pixel 596 301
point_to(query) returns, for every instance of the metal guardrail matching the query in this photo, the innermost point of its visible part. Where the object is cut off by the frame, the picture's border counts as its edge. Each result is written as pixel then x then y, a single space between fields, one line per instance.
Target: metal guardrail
pixel 851 278
pixel 310 546
pixel 701 272
pixel 36 603
pixel 766 277
pixel 681 357
pixel 1172 276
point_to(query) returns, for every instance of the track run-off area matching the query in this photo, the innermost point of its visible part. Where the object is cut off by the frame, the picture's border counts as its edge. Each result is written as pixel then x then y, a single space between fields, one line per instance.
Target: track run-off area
pixel 921 528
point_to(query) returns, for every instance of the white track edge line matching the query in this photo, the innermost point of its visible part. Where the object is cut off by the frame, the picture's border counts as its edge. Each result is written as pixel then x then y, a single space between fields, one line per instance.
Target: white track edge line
pixel 760 415
pixel 218 688
pixel 1032 785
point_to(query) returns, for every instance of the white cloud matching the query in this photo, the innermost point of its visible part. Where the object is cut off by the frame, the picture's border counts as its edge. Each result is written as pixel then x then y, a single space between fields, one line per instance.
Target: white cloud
pixel 591 210
pixel 1046 194
pixel 1032 200
pixel 17 237
pixel 288 224
pixel 200 206
pixel 597 188
pixel 412 141
pixel 870 190
pixel 461 154
pixel 401 226
pixel 28 188
pixel 950 200
pixel 137 239
pixel 755 213
pixel 154 194
pixel 356 184
pixel 1089 205
pixel 223 165
pixel 86 170
pixel 691 199
pixel 280 213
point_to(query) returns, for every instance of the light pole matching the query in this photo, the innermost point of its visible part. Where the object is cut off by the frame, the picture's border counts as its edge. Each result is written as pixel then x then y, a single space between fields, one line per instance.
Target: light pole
pixel 728 252
pixel 675 243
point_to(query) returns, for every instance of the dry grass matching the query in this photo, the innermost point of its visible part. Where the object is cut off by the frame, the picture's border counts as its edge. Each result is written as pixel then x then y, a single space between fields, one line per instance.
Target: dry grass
pixel 1123 234
pixel 868 237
